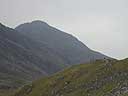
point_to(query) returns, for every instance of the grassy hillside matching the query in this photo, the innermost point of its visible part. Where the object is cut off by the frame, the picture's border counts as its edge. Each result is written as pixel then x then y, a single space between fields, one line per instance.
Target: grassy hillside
pixel 4 92
pixel 99 78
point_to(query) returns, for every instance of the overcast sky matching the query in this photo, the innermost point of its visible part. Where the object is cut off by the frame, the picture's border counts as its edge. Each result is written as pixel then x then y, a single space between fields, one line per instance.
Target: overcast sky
pixel 101 24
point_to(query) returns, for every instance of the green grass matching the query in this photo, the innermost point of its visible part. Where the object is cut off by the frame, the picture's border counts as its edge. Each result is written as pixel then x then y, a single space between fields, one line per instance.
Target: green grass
pixel 95 78
pixel 6 92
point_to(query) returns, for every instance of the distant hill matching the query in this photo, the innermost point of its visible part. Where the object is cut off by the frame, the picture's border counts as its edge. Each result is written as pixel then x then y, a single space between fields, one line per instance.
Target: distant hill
pixel 65 45
pixel 99 78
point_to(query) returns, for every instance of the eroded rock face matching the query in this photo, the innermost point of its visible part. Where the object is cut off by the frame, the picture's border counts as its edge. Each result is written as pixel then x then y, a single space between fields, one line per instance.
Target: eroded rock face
pixel 121 89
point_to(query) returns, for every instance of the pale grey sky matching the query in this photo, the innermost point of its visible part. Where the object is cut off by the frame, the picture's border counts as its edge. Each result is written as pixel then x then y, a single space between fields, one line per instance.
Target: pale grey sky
pixel 101 24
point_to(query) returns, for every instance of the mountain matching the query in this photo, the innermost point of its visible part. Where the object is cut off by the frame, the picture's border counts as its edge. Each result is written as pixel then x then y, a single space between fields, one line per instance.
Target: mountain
pixel 23 59
pixel 100 78
pixel 36 49
pixel 65 45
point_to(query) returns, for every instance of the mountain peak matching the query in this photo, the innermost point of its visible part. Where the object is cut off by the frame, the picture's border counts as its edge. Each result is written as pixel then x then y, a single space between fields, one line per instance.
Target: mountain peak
pixel 39 22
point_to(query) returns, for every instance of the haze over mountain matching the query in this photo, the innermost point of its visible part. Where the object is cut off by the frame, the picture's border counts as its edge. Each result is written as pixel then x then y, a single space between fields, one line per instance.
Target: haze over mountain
pixel 99 24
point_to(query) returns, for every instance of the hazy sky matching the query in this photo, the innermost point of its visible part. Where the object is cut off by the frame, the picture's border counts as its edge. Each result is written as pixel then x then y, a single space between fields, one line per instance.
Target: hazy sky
pixel 101 24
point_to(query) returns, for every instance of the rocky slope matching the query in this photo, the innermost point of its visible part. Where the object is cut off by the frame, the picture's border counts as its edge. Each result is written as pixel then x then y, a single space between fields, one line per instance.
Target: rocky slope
pixel 99 78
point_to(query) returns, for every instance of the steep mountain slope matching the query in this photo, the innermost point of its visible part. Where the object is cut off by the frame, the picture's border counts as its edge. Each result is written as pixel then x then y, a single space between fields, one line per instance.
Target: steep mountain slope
pixel 68 47
pixel 21 59
pixel 99 78
pixel 42 51
pixel 25 57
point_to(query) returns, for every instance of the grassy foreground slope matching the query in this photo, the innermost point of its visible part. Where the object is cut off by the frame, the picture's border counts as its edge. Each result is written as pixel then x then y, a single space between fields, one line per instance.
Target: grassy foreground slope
pixel 4 92
pixel 99 78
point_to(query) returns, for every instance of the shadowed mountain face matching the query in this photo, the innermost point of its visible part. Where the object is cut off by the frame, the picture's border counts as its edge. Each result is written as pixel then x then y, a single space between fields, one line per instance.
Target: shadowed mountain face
pixel 24 59
pixel 65 45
